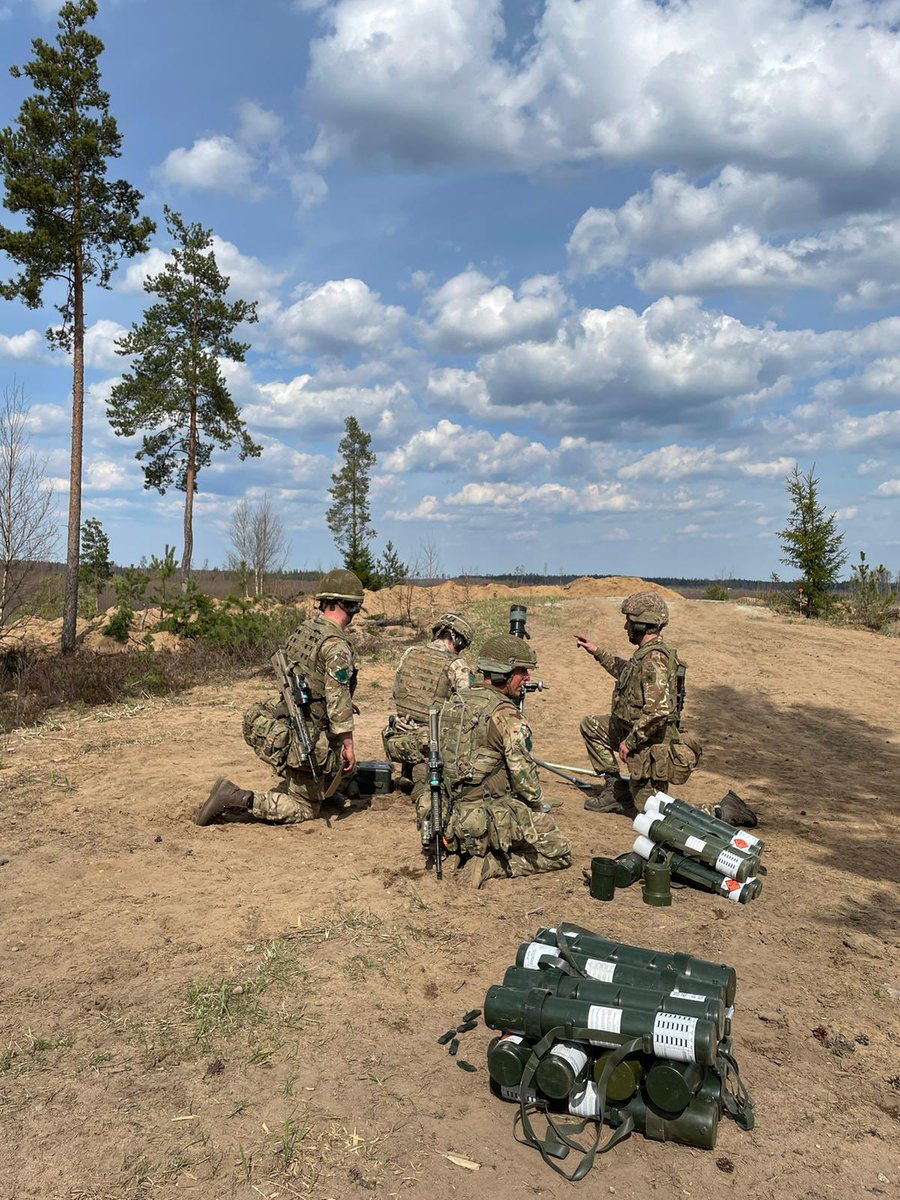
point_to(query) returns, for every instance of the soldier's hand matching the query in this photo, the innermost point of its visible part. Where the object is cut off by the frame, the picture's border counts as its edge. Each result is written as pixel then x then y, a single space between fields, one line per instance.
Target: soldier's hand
pixel 348 754
pixel 623 752
pixel 583 644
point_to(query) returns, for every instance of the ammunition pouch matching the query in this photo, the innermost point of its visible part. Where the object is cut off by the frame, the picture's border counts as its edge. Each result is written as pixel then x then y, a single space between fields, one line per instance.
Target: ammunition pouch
pixel 267 731
pixel 672 760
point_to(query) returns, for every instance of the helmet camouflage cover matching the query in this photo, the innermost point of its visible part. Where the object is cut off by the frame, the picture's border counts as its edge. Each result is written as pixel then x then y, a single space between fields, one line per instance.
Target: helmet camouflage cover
pixel 646 608
pixel 340 584
pixel 456 624
pixel 504 653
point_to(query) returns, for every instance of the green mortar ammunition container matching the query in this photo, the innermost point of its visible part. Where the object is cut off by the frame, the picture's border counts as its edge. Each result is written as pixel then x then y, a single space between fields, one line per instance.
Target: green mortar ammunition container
pixel 560 1070
pixel 671 1086
pixel 702 821
pixel 373 778
pixel 657 886
pixel 506 1059
pixel 629 869
pixel 665 1035
pixel 653 997
pixel 531 954
pixel 697 1126
pixel 583 941
pixel 705 877
pixel 623 1080
pixel 715 852
pixel 603 878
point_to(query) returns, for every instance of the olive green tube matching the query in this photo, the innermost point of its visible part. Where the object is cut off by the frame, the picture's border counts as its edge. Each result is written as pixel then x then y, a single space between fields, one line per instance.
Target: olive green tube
pixel 629 869
pixel 583 941
pixel 665 1035
pixel 531 954
pixel 715 852
pixel 705 877
pixel 696 1126
pixel 672 1085
pixel 703 822
pixel 561 1069
pixel 622 1081
pixel 653 996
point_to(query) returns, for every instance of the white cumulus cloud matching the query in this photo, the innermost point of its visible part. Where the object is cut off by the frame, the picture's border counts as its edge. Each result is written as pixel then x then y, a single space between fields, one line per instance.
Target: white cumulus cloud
pixel 472 312
pixel 341 316
pixel 476 452
pixel 217 163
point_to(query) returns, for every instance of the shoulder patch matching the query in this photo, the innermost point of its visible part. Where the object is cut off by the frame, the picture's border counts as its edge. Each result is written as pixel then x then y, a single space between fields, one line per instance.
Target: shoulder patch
pixel 343 674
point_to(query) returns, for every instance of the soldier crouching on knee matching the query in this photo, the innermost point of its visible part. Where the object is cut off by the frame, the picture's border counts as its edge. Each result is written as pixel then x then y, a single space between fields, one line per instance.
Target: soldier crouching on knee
pixel 321 653
pixel 495 804
pixel 643 727
pixel 425 676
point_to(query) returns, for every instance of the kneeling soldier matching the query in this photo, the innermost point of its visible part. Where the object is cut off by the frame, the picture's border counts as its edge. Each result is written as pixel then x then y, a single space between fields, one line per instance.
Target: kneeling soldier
pixel 495 804
pixel 321 653
pixel 425 676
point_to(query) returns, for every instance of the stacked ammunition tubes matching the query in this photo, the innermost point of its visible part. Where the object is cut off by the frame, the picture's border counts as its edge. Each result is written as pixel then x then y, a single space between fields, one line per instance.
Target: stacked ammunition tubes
pixel 700 849
pixel 573 1000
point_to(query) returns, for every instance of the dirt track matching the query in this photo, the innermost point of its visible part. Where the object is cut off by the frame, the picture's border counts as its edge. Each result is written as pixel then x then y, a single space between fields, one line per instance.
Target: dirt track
pixel 125 929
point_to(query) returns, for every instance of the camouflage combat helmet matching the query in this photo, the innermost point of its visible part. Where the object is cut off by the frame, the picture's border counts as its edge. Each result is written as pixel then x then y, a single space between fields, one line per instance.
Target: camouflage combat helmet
pixel 646 608
pixel 340 584
pixel 504 653
pixel 456 624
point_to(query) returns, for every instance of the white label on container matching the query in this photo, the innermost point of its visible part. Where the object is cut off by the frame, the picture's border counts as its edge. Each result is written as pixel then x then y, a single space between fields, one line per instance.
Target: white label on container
pixel 571 1053
pixel 729 863
pixel 596 968
pixel 696 844
pixel 535 952
pixel 729 1012
pixel 602 1019
pixel 570 933
pixel 686 996
pixel 743 841
pixel 731 888
pixel 511 1037
pixel 673 1037
pixel 585 1103
pixel 514 1093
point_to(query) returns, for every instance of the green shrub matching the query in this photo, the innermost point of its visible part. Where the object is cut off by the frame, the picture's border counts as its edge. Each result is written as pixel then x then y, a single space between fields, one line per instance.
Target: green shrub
pixel 715 591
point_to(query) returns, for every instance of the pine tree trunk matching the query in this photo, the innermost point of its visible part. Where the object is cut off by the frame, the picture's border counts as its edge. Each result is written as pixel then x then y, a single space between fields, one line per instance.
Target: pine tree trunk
pixel 70 606
pixel 189 478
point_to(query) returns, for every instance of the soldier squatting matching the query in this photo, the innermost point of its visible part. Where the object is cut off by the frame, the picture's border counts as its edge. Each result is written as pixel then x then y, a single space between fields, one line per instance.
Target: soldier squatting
pixel 493 803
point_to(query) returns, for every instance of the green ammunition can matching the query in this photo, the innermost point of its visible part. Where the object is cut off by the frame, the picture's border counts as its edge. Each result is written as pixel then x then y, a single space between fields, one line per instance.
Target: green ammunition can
pixel 672 1085
pixel 506 1059
pixel 629 869
pixel 603 878
pixel 583 941
pixel 657 886
pixel 560 1069
pixel 665 1035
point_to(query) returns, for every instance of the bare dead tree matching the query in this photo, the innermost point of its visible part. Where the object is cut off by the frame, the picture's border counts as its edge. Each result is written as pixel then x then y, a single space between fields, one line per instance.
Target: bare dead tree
pixel 28 533
pixel 431 569
pixel 259 540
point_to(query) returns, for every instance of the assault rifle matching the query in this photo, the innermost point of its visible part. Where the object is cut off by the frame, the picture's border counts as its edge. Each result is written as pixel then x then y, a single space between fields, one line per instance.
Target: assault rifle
pixel 435 783
pixel 297 697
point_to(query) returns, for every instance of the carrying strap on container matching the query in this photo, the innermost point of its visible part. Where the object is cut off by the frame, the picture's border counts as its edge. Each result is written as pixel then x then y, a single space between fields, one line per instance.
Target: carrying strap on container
pixel 738 1102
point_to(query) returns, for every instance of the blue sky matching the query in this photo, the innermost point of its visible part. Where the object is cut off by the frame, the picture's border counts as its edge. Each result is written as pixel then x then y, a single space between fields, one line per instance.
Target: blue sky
pixel 594 273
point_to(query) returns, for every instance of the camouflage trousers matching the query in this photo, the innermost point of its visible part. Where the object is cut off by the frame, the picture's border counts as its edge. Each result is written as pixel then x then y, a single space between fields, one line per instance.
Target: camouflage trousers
pixel 511 838
pixel 404 743
pixel 602 737
pixel 297 797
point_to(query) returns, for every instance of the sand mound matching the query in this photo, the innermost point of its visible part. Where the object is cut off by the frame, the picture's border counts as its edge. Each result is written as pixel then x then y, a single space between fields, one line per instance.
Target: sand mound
pixel 451 594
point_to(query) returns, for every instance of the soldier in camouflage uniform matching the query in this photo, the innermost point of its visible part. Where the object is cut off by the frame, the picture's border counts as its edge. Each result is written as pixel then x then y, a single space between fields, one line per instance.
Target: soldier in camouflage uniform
pixel 495 806
pixel 425 676
pixel 643 725
pixel 321 652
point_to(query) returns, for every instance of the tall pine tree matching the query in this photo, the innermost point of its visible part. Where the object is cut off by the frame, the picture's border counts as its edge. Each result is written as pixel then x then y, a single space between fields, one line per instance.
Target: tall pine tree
pixel 348 517
pixel 811 540
pixel 175 389
pixel 78 223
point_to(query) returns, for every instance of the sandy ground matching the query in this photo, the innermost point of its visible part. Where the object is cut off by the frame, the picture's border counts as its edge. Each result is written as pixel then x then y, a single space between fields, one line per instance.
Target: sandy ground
pixel 246 1011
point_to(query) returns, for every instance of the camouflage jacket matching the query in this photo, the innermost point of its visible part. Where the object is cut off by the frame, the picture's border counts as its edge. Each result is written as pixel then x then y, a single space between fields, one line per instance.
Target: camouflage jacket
pixel 323 653
pixel 645 693
pixel 486 748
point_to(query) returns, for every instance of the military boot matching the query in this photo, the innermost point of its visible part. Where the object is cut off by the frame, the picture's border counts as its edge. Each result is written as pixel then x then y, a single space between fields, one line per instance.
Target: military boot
pixel 614 796
pixel 225 796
